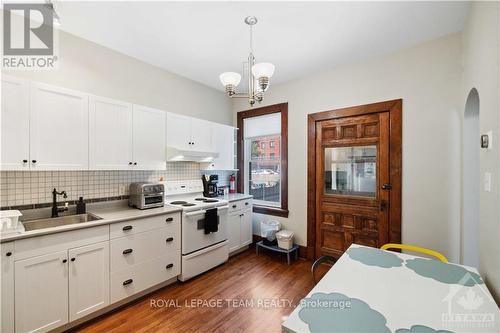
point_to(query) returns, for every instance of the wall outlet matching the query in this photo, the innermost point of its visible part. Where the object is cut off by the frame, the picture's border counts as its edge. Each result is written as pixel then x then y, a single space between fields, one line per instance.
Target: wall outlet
pixel 487 181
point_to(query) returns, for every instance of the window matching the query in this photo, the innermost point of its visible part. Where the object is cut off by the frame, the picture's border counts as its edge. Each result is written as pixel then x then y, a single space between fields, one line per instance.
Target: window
pixel 263 167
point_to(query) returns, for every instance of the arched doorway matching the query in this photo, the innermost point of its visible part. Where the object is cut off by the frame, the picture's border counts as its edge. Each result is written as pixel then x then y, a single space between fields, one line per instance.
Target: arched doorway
pixel 471 181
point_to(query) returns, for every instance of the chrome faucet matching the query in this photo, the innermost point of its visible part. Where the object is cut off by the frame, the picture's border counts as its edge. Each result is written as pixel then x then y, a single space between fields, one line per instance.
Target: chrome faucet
pixel 56 210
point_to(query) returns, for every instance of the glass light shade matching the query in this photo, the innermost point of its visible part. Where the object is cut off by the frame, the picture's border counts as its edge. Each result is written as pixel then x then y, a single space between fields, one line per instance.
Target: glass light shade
pixel 263 69
pixel 230 78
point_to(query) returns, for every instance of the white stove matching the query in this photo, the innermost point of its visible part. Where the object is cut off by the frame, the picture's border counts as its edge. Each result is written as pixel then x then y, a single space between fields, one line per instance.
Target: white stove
pixel 201 249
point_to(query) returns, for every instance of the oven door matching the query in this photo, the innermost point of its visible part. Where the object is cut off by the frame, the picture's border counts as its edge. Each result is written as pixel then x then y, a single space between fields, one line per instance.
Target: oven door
pixel 193 230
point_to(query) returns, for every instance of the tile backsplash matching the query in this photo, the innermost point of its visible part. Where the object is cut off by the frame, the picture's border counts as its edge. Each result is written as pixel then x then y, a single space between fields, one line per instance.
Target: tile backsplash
pixel 28 188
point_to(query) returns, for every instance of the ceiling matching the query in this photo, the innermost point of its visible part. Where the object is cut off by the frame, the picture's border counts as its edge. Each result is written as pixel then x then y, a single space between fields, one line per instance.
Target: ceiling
pixel 199 40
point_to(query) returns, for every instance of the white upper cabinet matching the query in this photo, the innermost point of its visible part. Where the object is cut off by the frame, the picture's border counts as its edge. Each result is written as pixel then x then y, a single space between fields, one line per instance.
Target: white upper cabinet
pixel 110 134
pixel 59 128
pixel 149 149
pixel 201 135
pixel 223 142
pixel 178 131
pixel 188 133
pixel 15 130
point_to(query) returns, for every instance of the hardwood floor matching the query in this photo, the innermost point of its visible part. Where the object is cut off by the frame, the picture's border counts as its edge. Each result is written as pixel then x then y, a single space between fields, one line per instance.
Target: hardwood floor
pixel 246 278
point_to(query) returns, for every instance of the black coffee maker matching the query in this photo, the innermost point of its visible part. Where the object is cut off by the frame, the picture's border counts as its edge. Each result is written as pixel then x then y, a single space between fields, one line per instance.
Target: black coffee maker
pixel 210 185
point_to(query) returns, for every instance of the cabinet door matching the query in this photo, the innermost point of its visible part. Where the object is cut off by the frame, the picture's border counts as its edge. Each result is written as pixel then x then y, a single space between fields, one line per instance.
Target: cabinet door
pixel 59 128
pixel 110 131
pixel 246 227
pixel 41 292
pixel 178 131
pixel 7 291
pixel 223 143
pixel 15 129
pixel 233 237
pixel 88 279
pixel 149 138
pixel 201 135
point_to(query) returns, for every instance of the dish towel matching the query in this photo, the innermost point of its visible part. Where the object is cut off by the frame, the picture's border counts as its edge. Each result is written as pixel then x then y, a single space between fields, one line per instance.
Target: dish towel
pixel 211 221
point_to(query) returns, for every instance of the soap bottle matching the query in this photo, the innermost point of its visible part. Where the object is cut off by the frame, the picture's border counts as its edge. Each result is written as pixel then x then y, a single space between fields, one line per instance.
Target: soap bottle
pixel 80 206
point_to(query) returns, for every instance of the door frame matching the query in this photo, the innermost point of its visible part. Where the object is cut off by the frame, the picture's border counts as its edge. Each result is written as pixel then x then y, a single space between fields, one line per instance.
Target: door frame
pixel 394 107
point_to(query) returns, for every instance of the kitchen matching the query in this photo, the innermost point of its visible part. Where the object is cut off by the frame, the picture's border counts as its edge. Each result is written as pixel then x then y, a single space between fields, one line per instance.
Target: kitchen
pixel 143 189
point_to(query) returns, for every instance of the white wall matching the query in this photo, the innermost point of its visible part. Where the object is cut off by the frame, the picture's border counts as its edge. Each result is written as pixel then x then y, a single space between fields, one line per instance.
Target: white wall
pixel 95 69
pixel 427 77
pixel 481 62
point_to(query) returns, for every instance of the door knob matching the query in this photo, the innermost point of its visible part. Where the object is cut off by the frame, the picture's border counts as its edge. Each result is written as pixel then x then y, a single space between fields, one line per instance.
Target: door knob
pixel 386 186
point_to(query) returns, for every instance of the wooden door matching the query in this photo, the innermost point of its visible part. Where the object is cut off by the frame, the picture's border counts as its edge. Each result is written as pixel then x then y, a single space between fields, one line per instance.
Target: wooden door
pixel 88 279
pixel 110 128
pixel 41 292
pixel 15 124
pixel 352 178
pixel 59 129
pixel 149 138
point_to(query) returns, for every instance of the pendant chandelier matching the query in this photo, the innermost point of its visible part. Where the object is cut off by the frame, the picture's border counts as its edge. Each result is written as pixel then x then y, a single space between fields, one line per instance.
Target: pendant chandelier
pixel 258 74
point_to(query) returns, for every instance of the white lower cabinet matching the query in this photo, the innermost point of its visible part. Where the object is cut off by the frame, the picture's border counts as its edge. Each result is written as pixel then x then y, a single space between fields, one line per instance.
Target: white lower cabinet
pixel 240 224
pixel 52 280
pixel 7 287
pixel 41 292
pixel 88 279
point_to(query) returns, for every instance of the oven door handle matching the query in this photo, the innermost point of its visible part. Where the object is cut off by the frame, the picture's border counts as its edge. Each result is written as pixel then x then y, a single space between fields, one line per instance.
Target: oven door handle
pixel 202 211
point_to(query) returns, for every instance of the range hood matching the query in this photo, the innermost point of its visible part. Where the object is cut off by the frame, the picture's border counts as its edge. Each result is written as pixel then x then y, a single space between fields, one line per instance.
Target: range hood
pixel 185 155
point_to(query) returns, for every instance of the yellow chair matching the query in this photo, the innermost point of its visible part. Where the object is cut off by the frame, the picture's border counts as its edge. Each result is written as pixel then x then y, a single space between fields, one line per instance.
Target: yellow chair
pixel 414 248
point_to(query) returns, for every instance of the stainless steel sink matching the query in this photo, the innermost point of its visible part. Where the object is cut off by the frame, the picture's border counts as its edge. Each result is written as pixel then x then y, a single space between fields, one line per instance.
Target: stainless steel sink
pixel 59 221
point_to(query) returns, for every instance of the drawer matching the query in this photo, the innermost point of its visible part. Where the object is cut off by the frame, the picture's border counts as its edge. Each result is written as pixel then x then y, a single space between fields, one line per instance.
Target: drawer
pixel 37 246
pixel 140 247
pixel 239 205
pixel 137 278
pixel 144 224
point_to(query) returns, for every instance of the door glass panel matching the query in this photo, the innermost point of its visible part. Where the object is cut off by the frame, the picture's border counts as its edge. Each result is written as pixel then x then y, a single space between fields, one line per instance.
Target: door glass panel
pixel 351 170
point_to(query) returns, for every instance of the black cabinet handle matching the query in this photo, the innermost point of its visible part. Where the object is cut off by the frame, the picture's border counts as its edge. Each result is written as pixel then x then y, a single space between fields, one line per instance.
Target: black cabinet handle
pixel 129 163
pixel 169 219
pixel 25 161
pixel 8 254
pixel 73 259
pixel 65 261
pixel 129 281
pixel 127 251
pixel 169 266
pixel 33 161
pixel 127 227
pixel 234 206
pixel 135 163
pixel 246 203
pixel 169 239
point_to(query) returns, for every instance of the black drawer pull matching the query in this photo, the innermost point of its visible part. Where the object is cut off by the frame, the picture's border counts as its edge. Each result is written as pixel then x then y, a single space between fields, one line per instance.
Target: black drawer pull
pixel 129 281
pixel 25 161
pixel 127 251
pixel 234 206
pixel 246 203
pixel 169 266
pixel 73 259
pixel 33 161
pixel 127 227
pixel 65 261
pixel 169 219
pixel 8 254
pixel 169 239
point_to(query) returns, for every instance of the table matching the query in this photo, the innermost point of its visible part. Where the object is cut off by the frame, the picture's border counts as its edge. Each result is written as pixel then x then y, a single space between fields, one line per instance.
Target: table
pixel 371 290
pixel 275 248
